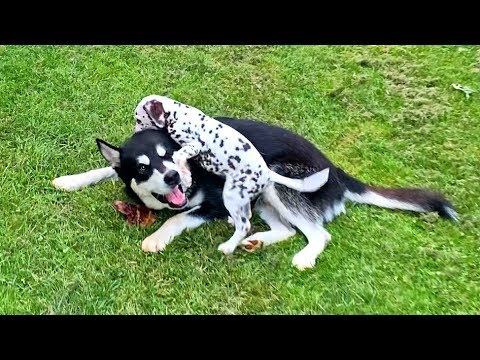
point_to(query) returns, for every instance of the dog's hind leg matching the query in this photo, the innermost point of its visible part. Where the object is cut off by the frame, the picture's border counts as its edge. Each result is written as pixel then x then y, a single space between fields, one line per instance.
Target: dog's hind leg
pixel 279 231
pixel 317 238
pixel 79 181
pixel 316 235
pixel 239 210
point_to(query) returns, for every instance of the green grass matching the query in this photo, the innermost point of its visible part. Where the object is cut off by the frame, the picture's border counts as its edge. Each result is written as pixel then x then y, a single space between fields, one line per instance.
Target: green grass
pixel 388 115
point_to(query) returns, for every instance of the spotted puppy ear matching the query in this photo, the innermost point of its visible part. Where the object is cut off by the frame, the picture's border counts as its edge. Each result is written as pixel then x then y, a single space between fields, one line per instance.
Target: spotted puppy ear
pixel 156 113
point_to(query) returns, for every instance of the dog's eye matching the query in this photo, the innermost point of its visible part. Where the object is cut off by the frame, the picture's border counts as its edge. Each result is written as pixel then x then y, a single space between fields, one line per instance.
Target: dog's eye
pixel 142 167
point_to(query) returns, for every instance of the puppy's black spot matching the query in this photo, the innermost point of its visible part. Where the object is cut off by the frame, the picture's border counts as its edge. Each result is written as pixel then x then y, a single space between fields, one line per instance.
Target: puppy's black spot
pixel 244 220
pixel 236 158
pixel 210 131
pixel 139 121
pixel 248 171
pixel 237 148
pixel 246 147
pixel 221 145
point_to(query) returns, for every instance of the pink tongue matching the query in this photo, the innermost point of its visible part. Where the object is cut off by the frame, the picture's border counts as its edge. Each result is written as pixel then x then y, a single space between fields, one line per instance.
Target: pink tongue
pixel 176 197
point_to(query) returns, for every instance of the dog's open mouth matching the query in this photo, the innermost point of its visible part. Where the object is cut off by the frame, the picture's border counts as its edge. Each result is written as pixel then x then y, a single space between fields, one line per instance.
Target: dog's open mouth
pixel 176 198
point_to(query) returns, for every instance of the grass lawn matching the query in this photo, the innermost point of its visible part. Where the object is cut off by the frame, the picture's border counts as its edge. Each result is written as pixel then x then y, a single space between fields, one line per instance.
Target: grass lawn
pixel 388 115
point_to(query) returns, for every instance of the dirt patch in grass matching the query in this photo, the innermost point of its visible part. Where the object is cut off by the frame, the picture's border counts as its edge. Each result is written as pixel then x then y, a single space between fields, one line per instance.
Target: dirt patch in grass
pixel 423 99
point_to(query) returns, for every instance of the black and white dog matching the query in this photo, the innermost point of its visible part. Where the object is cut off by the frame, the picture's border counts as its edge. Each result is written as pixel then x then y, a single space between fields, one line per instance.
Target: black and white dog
pixel 282 208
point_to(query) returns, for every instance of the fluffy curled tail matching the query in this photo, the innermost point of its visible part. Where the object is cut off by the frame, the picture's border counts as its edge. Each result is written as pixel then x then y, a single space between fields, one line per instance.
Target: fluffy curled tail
pixel 419 200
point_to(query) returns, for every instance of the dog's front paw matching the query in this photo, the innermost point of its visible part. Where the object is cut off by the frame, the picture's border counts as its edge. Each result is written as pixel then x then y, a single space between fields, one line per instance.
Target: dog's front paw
pixel 227 248
pixel 153 244
pixel 67 183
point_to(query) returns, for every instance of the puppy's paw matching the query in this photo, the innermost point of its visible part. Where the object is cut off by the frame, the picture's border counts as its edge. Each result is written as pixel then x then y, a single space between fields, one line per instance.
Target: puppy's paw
pixel 227 248
pixel 186 177
pixel 178 159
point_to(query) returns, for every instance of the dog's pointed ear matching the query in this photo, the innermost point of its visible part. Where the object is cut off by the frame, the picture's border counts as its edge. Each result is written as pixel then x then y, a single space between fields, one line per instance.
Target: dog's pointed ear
pixel 109 152
pixel 155 110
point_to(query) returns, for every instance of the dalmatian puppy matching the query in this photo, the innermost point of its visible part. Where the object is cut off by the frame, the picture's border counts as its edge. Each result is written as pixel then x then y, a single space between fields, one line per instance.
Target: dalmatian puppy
pixel 221 150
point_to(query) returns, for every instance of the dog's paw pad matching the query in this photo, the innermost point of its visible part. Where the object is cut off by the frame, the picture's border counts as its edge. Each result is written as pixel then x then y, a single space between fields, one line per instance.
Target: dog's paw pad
pixel 252 245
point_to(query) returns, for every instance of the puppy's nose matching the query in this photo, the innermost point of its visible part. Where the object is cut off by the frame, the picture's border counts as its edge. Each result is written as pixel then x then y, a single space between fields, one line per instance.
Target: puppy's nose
pixel 172 178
